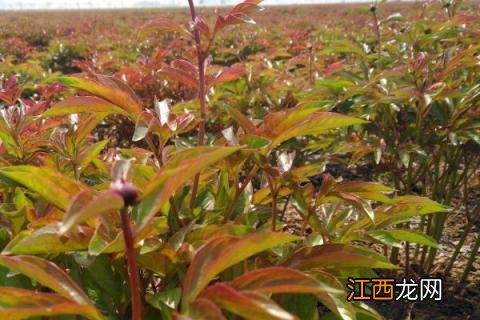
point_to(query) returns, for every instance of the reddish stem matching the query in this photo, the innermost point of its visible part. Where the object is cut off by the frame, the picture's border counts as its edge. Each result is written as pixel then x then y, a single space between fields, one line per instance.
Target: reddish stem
pixel 274 193
pixel 201 95
pixel 132 266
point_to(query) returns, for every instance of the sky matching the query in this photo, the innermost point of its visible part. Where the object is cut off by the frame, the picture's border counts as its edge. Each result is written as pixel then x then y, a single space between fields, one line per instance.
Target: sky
pixel 83 4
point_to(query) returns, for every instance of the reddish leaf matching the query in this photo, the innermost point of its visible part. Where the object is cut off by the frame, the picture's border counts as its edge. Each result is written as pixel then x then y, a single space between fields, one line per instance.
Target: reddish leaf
pixel 162 25
pixel 337 256
pixel 48 274
pixel 180 76
pixel 204 309
pixel 248 305
pixel 223 252
pixel 109 89
pixel 16 303
pixel 464 18
pixel 278 280
pixel 334 67
pixel 316 123
pixel 227 74
pixel 84 104
pixel 238 14
pixel 11 91
pixel 186 66
pixel 202 26
pixel 84 206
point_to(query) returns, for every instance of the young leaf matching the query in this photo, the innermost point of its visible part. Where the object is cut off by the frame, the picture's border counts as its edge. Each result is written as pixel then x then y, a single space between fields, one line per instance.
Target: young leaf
pixel 162 25
pixel 226 74
pixel 337 256
pixel 204 309
pixel 84 104
pixel 238 14
pixel 315 124
pixel 85 206
pixel 180 75
pixel 249 305
pixel 16 304
pixel 47 274
pixel 279 280
pixel 174 174
pixel 220 253
pixel 49 240
pixel 404 207
pixel 364 190
pixel 53 186
pixel 90 153
pixel 395 237
pixel 108 89
pixel 243 121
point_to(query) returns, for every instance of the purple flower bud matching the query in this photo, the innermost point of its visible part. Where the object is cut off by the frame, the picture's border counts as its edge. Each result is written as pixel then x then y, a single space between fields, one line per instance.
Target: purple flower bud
pixel 126 190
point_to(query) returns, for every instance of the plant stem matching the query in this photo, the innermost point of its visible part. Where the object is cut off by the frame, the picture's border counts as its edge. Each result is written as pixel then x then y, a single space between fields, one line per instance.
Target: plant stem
pixel 201 96
pixel 471 259
pixel 311 58
pixel 132 265
pixel 273 192
pixel 376 27
pixel 305 222
pixel 285 207
pixel 228 212
pixel 458 247
pixel 417 246
pixel 151 145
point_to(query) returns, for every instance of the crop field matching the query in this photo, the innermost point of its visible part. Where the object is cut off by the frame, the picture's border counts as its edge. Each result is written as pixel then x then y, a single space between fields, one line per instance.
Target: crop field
pixel 299 162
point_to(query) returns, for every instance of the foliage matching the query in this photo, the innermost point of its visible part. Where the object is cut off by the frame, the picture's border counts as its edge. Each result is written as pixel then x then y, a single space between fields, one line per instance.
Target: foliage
pixel 191 161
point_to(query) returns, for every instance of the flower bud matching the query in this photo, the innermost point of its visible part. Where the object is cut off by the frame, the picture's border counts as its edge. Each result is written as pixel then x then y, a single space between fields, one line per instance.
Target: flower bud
pixel 126 190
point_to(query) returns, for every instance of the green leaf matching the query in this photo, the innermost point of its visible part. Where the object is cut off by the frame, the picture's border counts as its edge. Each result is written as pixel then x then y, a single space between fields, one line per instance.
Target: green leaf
pixel 204 309
pixel 174 174
pixel 365 190
pixel 48 274
pixel 16 303
pixel 53 186
pixel 398 209
pixel 106 239
pixel 402 208
pixel 337 256
pixel 395 237
pixel 85 206
pixel 109 89
pixel 223 252
pixel 49 240
pixel 243 121
pixel 279 280
pixel 167 298
pixel 161 262
pixel 90 153
pixel 248 305
pixel 304 306
pixel 314 124
pixel 83 104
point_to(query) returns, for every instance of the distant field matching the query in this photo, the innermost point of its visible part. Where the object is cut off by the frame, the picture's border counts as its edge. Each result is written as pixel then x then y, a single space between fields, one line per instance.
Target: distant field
pixel 167 164
pixel 52 41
